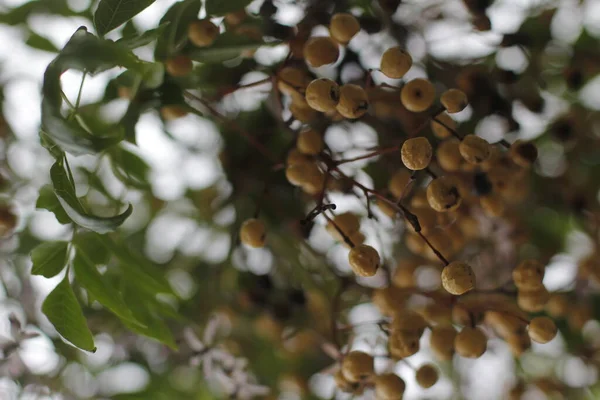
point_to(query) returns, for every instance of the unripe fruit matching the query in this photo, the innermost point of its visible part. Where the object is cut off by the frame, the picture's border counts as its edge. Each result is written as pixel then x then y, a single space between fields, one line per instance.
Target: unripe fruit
pixel 179 66
pixel 172 111
pixel 395 62
pixel 323 94
pixel 292 81
pixel 202 32
pixel 364 260
pixel 343 27
pixel 253 233
pixel 389 387
pixel 523 153
pixel 442 342
pixel 309 142
pixel 398 182
pixel 542 329
pixel 427 376
pixel 402 345
pixel 458 278
pixel 353 101
pixel 454 100
pixel 474 149
pixel 320 50
pixel 442 194
pixel 389 300
pixel 529 275
pixel 440 131
pixel 448 155
pixel 417 95
pixel 416 153
pixel 533 300
pixel 470 342
pixel 357 366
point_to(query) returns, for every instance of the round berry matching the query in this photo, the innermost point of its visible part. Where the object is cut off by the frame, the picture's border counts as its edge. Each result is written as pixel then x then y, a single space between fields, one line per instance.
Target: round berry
pixel 343 27
pixel 533 300
pixel 357 366
pixel 310 142
pixel 470 342
pixel 557 305
pixel 458 278
pixel 416 153
pixel 427 376
pixel 417 95
pixel 395 62
pixel 320 50
pixel 409 322
pixel 364 260
pixel 300 174
pixel 529 275
pixel 505 324
pixel 542 329
pixel 448 155
pixel 301 111
pixel 253 233
pixel 344 385
pixel 323 95
pixel 440 129
pixel 389 300
pixel 404 275
pixel 518 344
pixel 296 157
pixel 353 101
pixel 202 32
pixel 442 194
pixel 172 111
pixel 454 100
pixel 389 387
pixel 403 345
pixel 398 182
pixel 492 205
pixel 292 81
pixel 523 153
pixel 474 149
pixel 442 341
pixel 179 66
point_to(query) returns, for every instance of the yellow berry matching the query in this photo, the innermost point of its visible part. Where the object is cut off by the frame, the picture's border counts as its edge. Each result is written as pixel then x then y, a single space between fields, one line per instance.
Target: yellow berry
pixel 323 95
pixel 320 50
pixel 417 95
pixel 408 322
pixel 301 111
pixel 202 32
pixel 474 149
pixel 448 155
pixel 523 153
pixel 389 387
pixel 529 275
pixel 427 376
pixel 492 205
pixel 364 260
pixel 357 366
pixel 301 174
pixel 343 27
pixel 533 300
pixel 296 157
pixel 398 181
pixel 292 81
pixel 253 233
pixel 470 342
pixel 310 142
pixel 442 194
pixel 454 100
pixel 389 300
pixel 416 153
pixel 505 324
pixel 353 101
pixel 179 66
pixel 440 130
pixel 395 62
pixel 542 329
pixel 458 278
pixel 442 341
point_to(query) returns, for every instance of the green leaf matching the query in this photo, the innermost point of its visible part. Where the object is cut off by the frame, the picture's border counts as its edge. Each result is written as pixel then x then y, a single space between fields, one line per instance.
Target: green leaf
pixel 226 47
pixel 90 279
pixel 222 7
pixel 41 43
pixel 47 200
pixel 88 243
pixel 64 312
pixel 130 168
pixel 112 13
pixel 65 192
pixel 174 37
pixel 143 39
pixel 49 258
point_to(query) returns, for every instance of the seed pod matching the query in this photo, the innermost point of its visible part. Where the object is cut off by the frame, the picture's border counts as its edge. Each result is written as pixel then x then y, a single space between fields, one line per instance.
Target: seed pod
pixel 389 386
pixel 533 300
pixel 395 62
pixel 398 181
pixel 343 27
pixel 202 32
pixel 179 66
pixel 402 345
pixel 310 142
pixel 442 341
pixel 523 153
pixel 448 155
pixel 416 153
pixel 454 100
pixel 442 194
pixel 458 278
pixel 364 260
pixel 357 366
pixel 253 233
pixel 529 275
pixel 542 329
pixel 470 342
pixel 440 129
pixel 389 300
pixel 427 376
pixel 320 50
pixel 474 149
pixel 323 95
pixel 417 95
pixel 353 101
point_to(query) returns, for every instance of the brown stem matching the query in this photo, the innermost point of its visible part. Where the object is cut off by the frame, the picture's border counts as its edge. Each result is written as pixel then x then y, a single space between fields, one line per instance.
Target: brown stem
pixel 369 155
